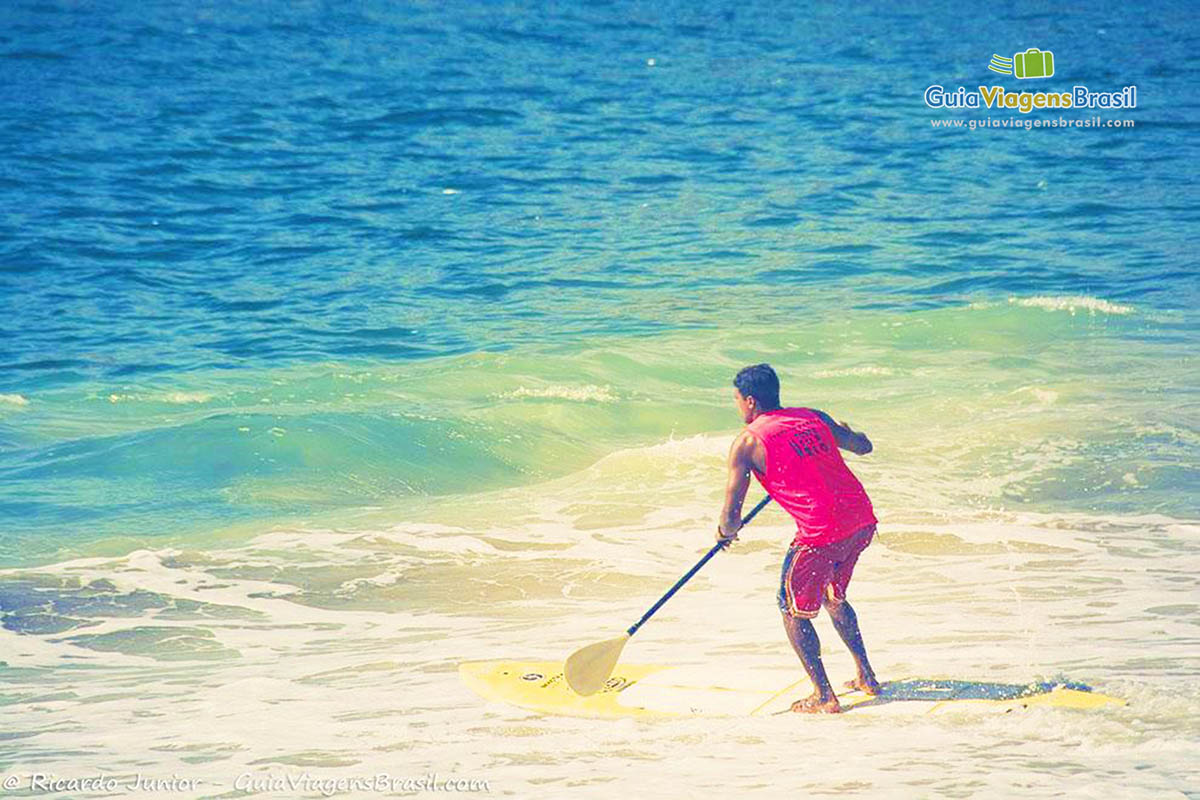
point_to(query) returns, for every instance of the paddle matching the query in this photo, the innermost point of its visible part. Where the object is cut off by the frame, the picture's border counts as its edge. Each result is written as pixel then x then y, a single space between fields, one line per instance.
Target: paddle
pixel 589 667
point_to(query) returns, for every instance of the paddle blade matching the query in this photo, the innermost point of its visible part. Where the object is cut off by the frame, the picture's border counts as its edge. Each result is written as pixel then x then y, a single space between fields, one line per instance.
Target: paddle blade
pixel 589 667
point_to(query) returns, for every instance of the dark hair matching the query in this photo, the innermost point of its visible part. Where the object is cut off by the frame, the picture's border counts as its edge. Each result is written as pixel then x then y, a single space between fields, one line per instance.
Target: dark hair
pixel 761 383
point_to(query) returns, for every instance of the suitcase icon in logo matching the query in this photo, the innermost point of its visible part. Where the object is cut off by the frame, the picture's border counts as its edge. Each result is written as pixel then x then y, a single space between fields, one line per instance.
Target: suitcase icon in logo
pixel 1033 63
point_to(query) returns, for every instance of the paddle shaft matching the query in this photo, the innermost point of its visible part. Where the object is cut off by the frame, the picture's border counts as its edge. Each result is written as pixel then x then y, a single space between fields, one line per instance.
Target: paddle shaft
pixel 633 629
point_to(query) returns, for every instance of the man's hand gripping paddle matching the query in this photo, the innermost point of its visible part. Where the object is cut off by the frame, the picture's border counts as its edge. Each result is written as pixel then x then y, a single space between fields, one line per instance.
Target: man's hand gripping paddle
pixel 589 667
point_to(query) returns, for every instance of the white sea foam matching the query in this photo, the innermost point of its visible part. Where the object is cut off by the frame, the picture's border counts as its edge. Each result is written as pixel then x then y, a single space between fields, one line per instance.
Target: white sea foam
pixel 850 372
pixel 360 686
pixel 186 397
pixel 14 399
pixel 1043 396
pixel 585 393
pixel 1071 304
pixel 175 398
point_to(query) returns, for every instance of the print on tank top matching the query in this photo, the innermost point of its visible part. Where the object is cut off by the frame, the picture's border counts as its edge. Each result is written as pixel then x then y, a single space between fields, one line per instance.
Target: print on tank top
pixel 807 443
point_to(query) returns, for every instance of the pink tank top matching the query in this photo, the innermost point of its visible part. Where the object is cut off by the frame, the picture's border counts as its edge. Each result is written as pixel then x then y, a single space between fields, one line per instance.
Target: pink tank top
pixel 805 474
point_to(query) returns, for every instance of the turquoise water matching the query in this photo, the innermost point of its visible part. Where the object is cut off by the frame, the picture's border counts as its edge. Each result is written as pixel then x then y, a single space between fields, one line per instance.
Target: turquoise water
pixel 410 323
pixel 1018 403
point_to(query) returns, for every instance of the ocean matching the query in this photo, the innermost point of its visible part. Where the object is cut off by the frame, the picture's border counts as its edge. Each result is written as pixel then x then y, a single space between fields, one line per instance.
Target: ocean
pixel 341 343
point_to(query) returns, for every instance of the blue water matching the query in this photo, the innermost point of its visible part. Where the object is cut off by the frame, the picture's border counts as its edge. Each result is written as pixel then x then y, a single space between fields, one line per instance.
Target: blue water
pixel 273 244
pixel 344 342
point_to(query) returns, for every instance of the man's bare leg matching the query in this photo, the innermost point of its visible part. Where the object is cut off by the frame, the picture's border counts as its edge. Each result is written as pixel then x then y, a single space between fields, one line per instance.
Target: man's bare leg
pixel 808 646
pixel 846 623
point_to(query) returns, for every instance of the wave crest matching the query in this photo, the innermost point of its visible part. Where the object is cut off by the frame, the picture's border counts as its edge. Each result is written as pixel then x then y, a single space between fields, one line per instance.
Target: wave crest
pixel 1071 303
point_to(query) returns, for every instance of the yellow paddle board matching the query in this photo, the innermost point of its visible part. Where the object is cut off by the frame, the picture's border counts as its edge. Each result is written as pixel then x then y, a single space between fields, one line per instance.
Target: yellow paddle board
pixel 655 690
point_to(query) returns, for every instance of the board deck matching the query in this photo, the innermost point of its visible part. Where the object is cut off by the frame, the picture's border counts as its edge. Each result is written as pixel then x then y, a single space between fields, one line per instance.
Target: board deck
pixel 656 690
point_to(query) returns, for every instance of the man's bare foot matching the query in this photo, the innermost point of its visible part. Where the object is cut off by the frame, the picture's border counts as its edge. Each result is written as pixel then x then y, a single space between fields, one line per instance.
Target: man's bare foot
pixel 870 687
pixel 815 704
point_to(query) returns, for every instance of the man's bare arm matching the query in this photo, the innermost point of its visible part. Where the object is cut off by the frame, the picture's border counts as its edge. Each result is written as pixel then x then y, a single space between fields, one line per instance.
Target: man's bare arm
pixel 846 437
pixel 736 485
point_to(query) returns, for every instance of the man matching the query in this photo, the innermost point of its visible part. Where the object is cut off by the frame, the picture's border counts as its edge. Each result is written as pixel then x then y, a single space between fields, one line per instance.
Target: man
pixel 793 452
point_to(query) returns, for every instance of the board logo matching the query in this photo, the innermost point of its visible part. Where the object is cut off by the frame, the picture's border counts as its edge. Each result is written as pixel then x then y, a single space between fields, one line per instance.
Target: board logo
pixel 532 676
pixel 1033 63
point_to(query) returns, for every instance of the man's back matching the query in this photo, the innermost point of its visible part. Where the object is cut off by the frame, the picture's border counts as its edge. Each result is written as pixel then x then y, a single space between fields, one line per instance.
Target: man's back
pixel 806 475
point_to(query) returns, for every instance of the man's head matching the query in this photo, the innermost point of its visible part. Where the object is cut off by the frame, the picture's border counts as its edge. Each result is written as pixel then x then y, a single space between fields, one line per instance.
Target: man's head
pixel 756 389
